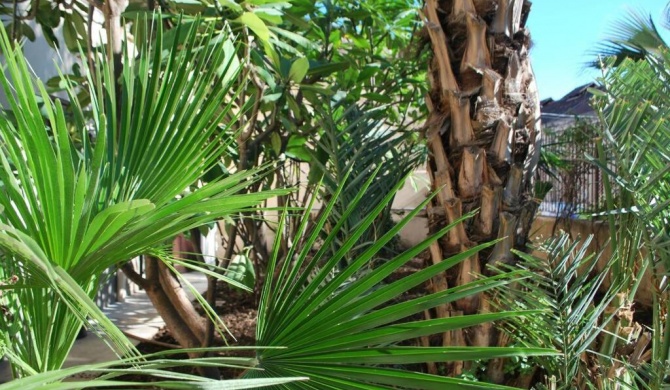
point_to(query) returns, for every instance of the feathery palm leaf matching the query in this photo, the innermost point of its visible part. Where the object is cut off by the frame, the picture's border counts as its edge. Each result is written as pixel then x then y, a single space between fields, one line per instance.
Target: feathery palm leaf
pixel 355 142
pixel 635 160
pixel 634 153
pixel 562 289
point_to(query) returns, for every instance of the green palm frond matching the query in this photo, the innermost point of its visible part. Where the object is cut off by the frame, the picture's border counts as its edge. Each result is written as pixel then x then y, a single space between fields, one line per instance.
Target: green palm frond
pixel 342 327
pixel 70 214
pixel 634 153
pixel 633 37
pixel 157 367
pixel 355 142
pixel 561 286
pixel 635 160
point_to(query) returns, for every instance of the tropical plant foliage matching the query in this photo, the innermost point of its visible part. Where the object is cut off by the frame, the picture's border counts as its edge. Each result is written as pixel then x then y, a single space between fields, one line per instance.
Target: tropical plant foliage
pixel 588 312
pixel 300 60
pixel 271 107
pixel 67 215
pixel 159 366
pixel 603 347
pixel 135 160
pixel 633 37
pixel 346 328
pixel 634 157
pixel 306 62
pixel 355 142
pixel 561 286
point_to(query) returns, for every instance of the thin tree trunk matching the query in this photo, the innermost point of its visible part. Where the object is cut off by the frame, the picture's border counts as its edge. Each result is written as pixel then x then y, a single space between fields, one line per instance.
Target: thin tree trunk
pixel 112 10
pixel 174 307
pixel 483 133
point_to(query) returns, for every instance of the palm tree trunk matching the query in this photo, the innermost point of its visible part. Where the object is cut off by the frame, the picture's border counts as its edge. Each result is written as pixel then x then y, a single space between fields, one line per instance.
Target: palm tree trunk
pixel 483 133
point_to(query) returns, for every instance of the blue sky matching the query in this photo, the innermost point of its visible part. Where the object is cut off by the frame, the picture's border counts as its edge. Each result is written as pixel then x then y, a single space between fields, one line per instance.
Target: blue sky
pixel 563 33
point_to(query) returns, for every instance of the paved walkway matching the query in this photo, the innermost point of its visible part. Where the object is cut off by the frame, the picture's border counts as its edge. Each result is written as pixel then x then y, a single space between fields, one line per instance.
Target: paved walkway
pixel 135 316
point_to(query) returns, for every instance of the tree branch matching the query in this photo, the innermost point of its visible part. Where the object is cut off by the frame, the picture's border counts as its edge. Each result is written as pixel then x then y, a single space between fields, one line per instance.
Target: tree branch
pixel 134 277
pixel 176 294
pixel 95 3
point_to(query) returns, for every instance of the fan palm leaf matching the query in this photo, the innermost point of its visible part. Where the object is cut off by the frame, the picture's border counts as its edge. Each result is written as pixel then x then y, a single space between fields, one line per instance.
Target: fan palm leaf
pixel 342 327
pixel 634 37
pixel 70 214
pixel 159 367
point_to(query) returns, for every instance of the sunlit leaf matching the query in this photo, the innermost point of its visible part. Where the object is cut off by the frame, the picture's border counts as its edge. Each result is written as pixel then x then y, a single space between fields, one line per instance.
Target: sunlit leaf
pixel 255 24
pixel 299 69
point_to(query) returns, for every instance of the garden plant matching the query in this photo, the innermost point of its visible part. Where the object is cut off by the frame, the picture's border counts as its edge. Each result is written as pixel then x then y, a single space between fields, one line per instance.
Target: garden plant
pixel 204 114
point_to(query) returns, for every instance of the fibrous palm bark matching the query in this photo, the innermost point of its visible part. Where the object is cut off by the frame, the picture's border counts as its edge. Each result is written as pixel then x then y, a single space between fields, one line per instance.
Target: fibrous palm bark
pixel 483 133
